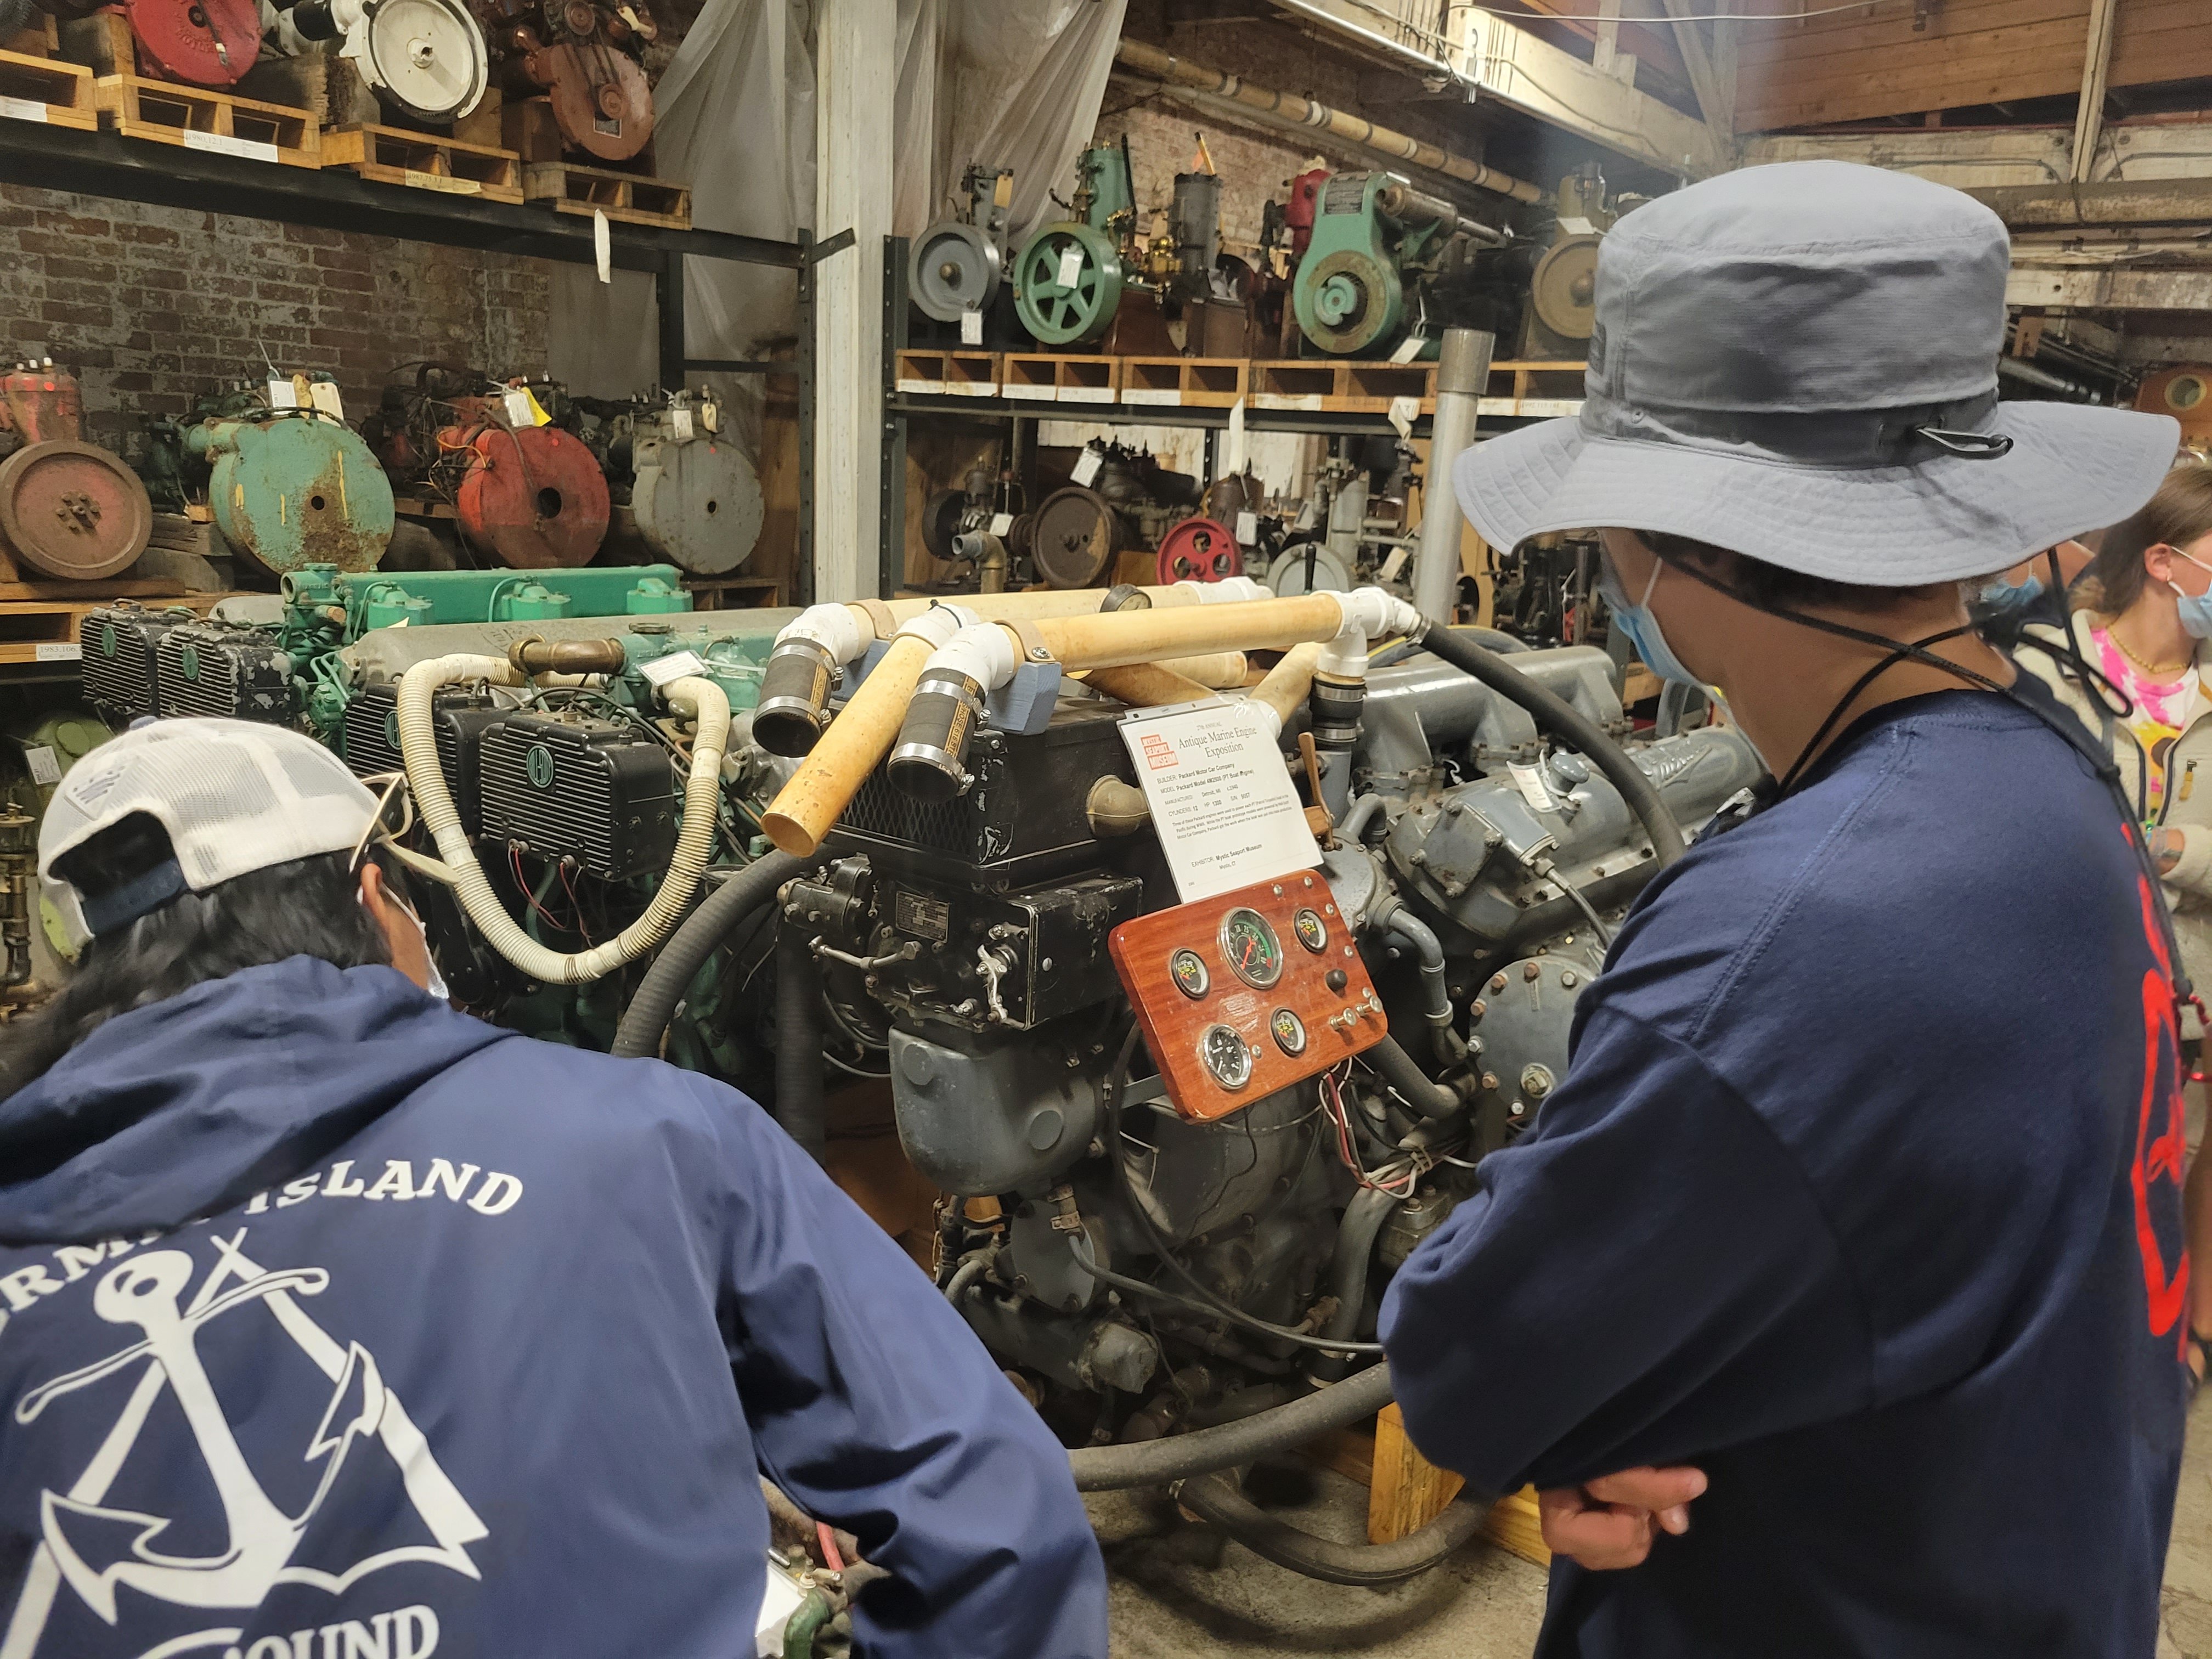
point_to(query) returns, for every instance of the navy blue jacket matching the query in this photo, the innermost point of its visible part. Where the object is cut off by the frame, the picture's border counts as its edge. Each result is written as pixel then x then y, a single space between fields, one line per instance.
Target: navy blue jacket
pixel 337 1323
pixel 1862 1193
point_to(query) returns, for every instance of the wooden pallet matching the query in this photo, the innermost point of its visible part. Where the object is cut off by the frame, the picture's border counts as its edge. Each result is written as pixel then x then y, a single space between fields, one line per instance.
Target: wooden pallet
pixel 423 160
pixel 567 187
pixel 46 90
pixel 947 373
pixel 193 118
pixel 39 631
pixel 1534 389
pixel 734 592
pixel 1184 382
pixel 39 38
pixel 1048 377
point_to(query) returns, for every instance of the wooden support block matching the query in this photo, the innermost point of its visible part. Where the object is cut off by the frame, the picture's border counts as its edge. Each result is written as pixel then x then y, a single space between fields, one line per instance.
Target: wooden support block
pixel 193 118
pixel 632 198
pixel 527 127
pixel 39 38
pixel 46 90
pixel 1408 1490
pixel 1028 376
pixel 102 42
pixel 424 161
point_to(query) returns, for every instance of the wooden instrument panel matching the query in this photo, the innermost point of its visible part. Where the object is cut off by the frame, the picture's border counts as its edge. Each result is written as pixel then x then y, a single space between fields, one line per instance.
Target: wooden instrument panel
pixel 1247 992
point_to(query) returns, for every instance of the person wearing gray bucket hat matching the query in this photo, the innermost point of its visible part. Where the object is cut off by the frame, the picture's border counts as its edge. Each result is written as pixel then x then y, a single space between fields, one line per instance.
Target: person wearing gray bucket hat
pixel 1835 1303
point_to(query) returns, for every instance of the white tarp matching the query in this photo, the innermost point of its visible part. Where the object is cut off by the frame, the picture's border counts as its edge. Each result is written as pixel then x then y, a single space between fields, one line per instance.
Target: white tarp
pixel 1011 83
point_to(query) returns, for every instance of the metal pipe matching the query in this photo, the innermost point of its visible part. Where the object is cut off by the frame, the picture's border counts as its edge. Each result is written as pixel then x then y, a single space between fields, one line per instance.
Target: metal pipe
pixel 1177 71
pixel 1462 371
pixel 1403 202
pixel 539 656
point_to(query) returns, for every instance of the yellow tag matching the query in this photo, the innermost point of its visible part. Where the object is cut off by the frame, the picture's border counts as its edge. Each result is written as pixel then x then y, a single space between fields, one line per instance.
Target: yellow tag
pixel 2188 780
pixel 538 417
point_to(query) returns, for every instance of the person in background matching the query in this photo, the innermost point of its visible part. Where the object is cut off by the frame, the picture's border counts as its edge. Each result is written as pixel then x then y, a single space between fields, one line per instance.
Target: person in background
pixel 2022 593
pixel 2146 624
pixel 332 1310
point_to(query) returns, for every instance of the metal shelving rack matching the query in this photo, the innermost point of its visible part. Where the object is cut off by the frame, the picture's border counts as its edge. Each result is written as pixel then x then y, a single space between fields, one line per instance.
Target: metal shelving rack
pixel 107 165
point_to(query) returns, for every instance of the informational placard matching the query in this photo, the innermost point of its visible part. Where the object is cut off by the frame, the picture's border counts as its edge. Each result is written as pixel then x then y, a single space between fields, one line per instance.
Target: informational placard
pixel 1223 803
pixel 679 424
pixel 60 650
pixel 1086 468
pixel 1001 523
pixel 250 150
pixel 281 393
pixel 1248 529
pixel 972 327
pixel 324 395
pixel 23 109
pixel 666 671
pixel 1070 266
pixel 45 768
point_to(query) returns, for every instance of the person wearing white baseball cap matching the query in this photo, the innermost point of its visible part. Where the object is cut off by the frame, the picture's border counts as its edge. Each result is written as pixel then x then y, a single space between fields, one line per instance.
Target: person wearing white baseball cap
pixel 331 1315
pixel 1835 1303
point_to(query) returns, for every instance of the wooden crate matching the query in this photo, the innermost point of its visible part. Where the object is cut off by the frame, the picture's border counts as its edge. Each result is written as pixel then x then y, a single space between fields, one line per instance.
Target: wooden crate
pixel 46 90
pixel 568 187
pixel 193 118
pixel 947 373
pixel 1300 384
pixel 423 161
pixel 1029 377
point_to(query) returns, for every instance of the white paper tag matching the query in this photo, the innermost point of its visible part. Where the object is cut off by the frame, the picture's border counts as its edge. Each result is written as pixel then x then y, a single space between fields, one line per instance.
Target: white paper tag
pixel 1578 225
pixel 1001 523
pixel 1404 412
pixel 23 109
pixel 44 769
pixel 281 394
pixel 1070 266
pixel 679 423
pixel 1086 468
pixel 971 328
pixel 324 395
pixel 1395 564
pixel 1223 803
pixel 518 408
pixel 1408 349
pixel 70 651
pixel 662 671
pixel 602 247
pixel 1530 781
pixel 251 149
pixel 1248 528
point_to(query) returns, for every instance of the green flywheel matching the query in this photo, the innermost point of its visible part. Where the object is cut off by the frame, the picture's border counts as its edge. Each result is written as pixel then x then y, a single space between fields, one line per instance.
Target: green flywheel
pixel 1068 312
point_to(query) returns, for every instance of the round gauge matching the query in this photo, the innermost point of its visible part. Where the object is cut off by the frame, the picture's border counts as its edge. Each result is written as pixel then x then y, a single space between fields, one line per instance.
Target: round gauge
pixel 1225 1056
pixel 1188 971
pixel 1290 1032
pixel 1251 948
pixel 1312 931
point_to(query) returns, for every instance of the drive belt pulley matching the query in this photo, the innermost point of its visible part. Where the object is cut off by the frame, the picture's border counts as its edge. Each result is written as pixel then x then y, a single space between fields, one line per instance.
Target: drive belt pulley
pixel 1067 284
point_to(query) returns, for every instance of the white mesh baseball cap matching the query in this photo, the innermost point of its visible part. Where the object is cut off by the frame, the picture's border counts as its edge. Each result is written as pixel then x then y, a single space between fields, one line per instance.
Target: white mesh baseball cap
pixel 234 796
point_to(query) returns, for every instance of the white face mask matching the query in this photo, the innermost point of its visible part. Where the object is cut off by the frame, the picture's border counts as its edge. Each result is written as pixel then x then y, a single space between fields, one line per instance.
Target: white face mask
pixel 437 985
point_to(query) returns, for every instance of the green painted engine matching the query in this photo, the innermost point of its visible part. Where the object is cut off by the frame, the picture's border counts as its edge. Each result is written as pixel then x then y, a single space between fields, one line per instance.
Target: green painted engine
pixel 1383 259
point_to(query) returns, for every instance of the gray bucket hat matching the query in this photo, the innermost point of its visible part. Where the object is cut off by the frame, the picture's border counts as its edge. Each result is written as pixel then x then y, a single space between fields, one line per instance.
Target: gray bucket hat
pixel 1798 362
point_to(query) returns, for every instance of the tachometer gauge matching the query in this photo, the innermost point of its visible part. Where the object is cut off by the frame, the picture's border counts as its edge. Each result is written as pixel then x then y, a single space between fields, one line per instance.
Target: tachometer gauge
pixel 1225 1056
pixel 1251 949
pixel 1312 931
pixel 1188 971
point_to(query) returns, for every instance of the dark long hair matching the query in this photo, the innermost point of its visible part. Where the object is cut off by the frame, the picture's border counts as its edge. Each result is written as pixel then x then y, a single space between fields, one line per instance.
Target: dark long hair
pixel 2179 513
pixel 307 907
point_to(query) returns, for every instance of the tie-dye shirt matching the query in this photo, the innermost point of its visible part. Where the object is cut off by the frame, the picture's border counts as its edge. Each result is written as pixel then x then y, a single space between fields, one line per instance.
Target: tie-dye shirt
pixel 2162 712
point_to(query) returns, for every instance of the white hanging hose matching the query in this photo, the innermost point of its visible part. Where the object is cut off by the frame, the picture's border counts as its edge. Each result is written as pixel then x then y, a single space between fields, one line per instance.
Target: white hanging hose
pixel 418 747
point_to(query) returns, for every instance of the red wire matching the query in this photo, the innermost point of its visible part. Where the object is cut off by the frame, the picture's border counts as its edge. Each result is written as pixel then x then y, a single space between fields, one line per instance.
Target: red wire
pixel 570 888
pixel 515 854
pixel 830 1559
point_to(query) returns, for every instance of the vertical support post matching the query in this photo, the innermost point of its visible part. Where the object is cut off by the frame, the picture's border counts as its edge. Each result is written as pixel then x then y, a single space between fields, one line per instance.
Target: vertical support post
pixel 891 533
pixel 2096 63
pixel 857 87
pixel 668 293
pixel 802 573
pixel 1462 371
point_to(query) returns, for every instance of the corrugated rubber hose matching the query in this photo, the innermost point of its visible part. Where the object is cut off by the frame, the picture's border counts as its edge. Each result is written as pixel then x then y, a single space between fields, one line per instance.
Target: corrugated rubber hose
pixel 1571 726
pixel 799 1042
pixel 645 1022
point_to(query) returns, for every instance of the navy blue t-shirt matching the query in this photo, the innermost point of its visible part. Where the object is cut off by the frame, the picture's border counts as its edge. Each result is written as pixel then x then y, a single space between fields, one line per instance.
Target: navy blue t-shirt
pixel 1863 1195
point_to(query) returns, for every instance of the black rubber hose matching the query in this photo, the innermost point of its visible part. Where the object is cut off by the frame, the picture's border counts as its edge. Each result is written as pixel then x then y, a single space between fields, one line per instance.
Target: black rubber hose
pixel 1555 716
pixel 799 1042
pixel 1422 1092
pixel 1218 1498
pixel 645 1022
pixel 1363 1217
pixel 1157 1462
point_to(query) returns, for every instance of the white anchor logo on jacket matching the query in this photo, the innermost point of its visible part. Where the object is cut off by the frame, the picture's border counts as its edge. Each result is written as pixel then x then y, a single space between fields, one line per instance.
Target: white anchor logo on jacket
pixel 96 1550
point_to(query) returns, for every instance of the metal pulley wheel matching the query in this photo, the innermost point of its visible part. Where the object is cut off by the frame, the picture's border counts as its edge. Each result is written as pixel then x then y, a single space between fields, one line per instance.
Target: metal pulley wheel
pixel 1073 534
pixel 535 499
pixel 72 510
pixel 1348 303
pixel 1308 568
pixel 425 59
pixel 292 491
pixel 940 520
pixel 1199 550
pixel 209 43
pixel 952 268
pixel 601 101
pixel 1067 284
pixel 1563 288
pixel 697 502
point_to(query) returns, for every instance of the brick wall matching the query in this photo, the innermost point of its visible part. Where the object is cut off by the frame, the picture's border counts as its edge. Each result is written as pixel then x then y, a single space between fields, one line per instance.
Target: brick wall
pixel 153 307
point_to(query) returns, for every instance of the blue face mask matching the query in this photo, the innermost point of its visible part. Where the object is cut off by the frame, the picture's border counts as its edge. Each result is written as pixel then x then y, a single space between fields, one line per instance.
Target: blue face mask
pixel 2006 597
pixel 1642 627
pixel 2196 608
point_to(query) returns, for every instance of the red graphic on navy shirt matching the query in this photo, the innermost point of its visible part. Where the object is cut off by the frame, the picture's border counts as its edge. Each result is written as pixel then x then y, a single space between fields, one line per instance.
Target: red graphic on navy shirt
pixel 2161 1148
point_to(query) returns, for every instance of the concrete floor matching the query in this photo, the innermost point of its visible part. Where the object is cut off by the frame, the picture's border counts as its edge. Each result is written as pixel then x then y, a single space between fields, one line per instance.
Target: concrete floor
pixel 1170 1601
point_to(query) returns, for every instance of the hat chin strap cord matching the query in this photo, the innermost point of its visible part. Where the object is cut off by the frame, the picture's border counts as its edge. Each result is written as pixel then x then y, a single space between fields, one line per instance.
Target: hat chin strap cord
pixel 703 794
